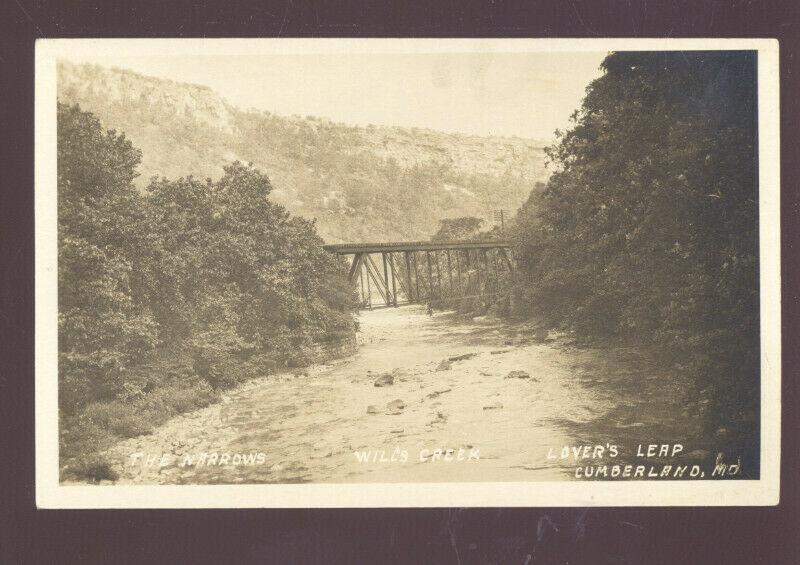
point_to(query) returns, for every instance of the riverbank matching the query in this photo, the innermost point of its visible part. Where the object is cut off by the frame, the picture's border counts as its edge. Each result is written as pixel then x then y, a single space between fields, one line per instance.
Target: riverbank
pixel 467 400
pixel 173 389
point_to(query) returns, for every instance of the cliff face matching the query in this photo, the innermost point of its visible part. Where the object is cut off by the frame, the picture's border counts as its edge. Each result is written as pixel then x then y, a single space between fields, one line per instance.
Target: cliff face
pixel 361 183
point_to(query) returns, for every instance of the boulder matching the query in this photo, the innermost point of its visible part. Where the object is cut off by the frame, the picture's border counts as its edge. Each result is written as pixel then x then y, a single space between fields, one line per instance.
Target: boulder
pixel 395 407
pixel 400 374
pixel 372 409
pixel 462 357
pixel 493 406
pixel 518 375
pixel 444 365
pixel 386 379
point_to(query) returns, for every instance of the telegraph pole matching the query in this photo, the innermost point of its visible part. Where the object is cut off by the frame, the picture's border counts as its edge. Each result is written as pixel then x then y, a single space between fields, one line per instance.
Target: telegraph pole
pixel 500 217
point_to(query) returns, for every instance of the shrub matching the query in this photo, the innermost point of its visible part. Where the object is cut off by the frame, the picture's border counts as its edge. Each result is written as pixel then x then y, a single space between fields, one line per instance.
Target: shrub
pixel 119 418
pixel 93 468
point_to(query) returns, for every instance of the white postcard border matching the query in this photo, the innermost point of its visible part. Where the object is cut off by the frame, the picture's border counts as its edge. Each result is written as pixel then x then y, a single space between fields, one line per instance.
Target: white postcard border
pixel 50 494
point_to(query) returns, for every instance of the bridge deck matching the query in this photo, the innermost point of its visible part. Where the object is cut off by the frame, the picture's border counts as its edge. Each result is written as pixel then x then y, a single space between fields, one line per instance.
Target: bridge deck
pixel 351 248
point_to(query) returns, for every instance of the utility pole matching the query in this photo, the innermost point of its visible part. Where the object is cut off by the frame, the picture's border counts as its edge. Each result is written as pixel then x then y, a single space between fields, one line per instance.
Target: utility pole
pixel 500 217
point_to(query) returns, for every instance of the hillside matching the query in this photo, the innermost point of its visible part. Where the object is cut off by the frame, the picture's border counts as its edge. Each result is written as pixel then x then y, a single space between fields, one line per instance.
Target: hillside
pixel 361 183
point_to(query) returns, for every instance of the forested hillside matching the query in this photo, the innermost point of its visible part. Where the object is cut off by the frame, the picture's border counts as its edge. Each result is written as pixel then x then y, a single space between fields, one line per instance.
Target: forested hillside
pixel 353 180
pixel 648 229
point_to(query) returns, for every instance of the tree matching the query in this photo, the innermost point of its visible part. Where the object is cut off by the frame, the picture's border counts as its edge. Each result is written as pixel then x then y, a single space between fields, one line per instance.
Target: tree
pixel 648 228
pixel 165 297
pixel 213 268
pixel 455 229
pixel 104 324
pixel 240 275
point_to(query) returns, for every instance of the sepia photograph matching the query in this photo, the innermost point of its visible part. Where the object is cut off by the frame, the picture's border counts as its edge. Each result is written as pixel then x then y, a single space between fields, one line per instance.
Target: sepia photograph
pixel 407 272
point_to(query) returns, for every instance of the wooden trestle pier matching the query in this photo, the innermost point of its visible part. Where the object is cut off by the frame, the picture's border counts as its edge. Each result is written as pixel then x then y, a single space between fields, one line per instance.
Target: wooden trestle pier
pixel 449 269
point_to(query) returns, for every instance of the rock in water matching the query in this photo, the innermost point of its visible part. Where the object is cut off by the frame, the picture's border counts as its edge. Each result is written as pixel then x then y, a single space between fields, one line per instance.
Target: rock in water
pixel 463 357
pixel 385 379
pixel 445 365
pixel 493 406
pixel 395 407
pixel 372 409
pixel 540 334
pixel 436 393
pixel 400 374
pixel 518 375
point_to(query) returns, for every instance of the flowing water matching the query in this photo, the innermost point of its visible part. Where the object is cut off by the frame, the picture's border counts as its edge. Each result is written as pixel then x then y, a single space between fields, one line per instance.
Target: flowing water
pixel 317 425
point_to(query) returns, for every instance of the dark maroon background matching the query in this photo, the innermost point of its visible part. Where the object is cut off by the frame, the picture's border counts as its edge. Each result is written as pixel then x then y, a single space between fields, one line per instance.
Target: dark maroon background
pixel 590 536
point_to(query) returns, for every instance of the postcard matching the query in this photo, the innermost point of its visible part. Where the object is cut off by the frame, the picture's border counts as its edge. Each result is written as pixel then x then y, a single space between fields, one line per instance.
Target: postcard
pixel 407 272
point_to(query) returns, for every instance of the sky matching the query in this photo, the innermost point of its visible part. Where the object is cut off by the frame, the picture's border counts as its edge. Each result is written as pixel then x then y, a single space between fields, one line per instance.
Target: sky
pixel 506 94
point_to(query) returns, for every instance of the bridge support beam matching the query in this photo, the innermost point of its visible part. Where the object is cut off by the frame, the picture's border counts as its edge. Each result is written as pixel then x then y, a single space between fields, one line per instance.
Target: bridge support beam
pixel 369 290
pixel 438 276
pixel 479 268
pixel 355 266
pixel 449 272
pixel 373 271
pixel 507 259
pixel 394 279
pixel 430 276
pixel 460 276
pixel 386 279
pixel 406 256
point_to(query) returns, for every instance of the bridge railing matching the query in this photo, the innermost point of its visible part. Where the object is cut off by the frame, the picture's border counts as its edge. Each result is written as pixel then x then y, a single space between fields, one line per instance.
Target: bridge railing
pixel 351 248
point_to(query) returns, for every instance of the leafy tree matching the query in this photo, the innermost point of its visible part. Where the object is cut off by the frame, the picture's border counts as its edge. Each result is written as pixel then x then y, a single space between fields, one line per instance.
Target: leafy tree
pixel 244 277
pixel 648 228
pixel 213 268
pixel 104 324
pixel 455 229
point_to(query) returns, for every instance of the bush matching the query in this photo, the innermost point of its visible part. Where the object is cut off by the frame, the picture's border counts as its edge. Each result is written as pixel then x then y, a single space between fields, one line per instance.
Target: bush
pixel 93 468
pixel 80 436
pixel 101 424
pixel 119 418
pixel 167 401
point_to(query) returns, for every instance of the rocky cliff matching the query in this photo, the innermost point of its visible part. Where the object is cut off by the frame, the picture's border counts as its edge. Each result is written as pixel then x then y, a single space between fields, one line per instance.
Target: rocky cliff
pixel 361 183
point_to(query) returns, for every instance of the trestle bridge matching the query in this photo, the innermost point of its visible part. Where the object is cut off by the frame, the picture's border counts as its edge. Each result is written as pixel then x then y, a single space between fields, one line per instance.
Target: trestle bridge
pixel 396 273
